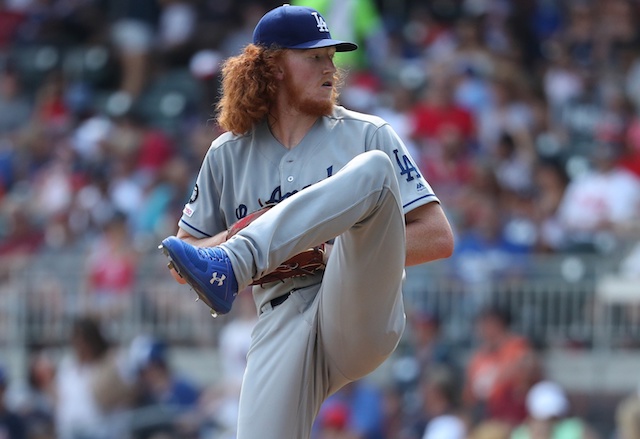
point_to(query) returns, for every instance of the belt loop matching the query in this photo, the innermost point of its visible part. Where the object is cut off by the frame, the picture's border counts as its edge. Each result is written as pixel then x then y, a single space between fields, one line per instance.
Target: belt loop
pixel 266 307
pixel 273 303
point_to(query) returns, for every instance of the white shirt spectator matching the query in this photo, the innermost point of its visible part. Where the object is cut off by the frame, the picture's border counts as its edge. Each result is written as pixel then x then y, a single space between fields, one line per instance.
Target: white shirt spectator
pixel 77 411
pixel 445 427
pixel 600 198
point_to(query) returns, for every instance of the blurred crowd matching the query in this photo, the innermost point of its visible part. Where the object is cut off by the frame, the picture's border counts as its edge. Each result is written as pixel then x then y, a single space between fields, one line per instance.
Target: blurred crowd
pixel 99 389
pixel 523 116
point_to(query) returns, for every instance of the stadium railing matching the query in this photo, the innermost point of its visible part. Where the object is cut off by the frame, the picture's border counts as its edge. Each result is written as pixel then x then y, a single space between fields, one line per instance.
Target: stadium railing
pixel 558 301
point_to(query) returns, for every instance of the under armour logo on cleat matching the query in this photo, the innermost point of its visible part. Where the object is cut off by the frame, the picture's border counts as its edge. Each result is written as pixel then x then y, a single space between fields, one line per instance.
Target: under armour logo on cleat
pixel 215 278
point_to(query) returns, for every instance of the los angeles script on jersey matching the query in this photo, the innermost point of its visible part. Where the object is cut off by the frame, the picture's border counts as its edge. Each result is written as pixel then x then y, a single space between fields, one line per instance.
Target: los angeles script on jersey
pixel 407 170
pixel 276 196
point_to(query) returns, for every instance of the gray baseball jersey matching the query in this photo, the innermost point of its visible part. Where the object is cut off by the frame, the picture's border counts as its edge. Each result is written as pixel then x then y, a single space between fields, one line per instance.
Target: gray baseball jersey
pixel 240 174
pixel 352 179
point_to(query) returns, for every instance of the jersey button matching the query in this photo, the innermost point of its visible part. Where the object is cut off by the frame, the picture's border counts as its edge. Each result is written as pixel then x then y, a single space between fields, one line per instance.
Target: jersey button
pixel 290 178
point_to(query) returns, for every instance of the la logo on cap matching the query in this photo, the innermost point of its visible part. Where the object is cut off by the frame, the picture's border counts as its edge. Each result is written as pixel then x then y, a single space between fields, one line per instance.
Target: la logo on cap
pixel 322 25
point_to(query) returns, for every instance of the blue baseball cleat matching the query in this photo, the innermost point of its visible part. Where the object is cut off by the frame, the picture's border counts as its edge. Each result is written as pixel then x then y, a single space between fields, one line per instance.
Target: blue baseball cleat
pixel 207 270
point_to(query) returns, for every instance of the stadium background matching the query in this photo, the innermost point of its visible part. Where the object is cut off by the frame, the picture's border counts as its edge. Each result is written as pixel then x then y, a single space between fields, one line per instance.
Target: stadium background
pixel 523 116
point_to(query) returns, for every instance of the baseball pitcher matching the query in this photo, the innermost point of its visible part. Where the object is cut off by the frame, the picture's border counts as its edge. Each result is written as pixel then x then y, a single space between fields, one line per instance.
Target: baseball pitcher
pixel 341 209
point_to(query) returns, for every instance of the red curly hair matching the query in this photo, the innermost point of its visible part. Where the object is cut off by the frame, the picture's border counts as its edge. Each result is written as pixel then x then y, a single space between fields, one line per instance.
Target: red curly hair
pixel 248 88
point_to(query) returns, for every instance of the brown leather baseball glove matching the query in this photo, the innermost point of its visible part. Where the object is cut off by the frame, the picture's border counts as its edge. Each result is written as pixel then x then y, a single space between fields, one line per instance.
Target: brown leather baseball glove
pixel 302 264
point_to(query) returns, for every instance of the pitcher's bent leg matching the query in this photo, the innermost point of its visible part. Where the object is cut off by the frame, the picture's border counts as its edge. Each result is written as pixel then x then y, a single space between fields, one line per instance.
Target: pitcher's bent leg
pixel 361 315
pixel 286 378
pixel 312 216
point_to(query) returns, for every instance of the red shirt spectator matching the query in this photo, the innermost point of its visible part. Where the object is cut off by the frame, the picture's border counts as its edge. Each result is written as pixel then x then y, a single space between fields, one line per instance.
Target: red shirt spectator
pixel 156 149
pixel 10 22
pixel 630 158
pixel 111 271
pixel 446 163
pixel 438 111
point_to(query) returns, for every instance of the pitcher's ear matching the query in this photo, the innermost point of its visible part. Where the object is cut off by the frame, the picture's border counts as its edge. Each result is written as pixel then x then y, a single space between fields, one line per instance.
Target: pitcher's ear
pixel 279 71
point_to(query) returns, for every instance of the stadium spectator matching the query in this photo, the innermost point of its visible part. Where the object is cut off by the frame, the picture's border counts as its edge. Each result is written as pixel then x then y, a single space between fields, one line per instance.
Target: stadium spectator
pixel 51 111
pixel 510 112
pixel 580 116
pixel 490 430
pixel 441 406
pixel 135 151
pixel 448 165
pixel 561 80
pixel 133 33
pixel 597 204
pixel 110 272
pixel 176 29
pixel 427 348
pixel 631 78
pixel 402 417
pixel 473 64
pixel 493 363
pixel 21 236
pixel 630 156
pixel 438 111
pixel 241 35
pixel 619 24
pixel 548 411
pixel 36 403
pixel 430 346
pixel 627 416
pixel 550 180
pixel 579 34
pixel 333 423
pixel 166 194
pixel 359 408
pixel 10 21
pixel 484 252
pixel 519 225
pixel 53 192
pixel 164 397
pixel 513 163
pixel 91 394
pixel 12 425
pixel 393 103
pixel 508 400
pixel 15 108
pixel 548 143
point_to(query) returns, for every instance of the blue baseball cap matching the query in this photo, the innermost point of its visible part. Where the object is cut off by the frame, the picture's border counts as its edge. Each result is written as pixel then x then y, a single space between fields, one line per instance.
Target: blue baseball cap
pixel 296 27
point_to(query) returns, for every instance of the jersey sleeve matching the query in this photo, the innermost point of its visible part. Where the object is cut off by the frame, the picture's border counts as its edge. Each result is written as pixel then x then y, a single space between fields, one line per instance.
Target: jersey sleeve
pixel 414 189
pixel 201 216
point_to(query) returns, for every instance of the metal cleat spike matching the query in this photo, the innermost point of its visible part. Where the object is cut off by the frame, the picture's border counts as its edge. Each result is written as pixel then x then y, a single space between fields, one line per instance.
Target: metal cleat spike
pixel 197 298
pixel 160 247
pixel 214 314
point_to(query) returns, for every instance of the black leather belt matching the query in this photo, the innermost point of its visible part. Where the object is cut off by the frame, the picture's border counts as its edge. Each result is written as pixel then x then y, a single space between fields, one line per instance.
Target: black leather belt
pixel 279 300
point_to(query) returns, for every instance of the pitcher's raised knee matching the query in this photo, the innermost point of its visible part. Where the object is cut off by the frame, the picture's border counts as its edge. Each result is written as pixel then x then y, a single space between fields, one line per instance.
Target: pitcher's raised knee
pixel 372 168
pixel 377 162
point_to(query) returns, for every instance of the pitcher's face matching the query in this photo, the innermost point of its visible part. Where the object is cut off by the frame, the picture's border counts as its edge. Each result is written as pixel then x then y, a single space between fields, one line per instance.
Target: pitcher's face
pixel 309 80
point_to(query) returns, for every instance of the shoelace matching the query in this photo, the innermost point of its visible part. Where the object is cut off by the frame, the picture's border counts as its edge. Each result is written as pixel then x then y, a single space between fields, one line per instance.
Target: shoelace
pixel 210 254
